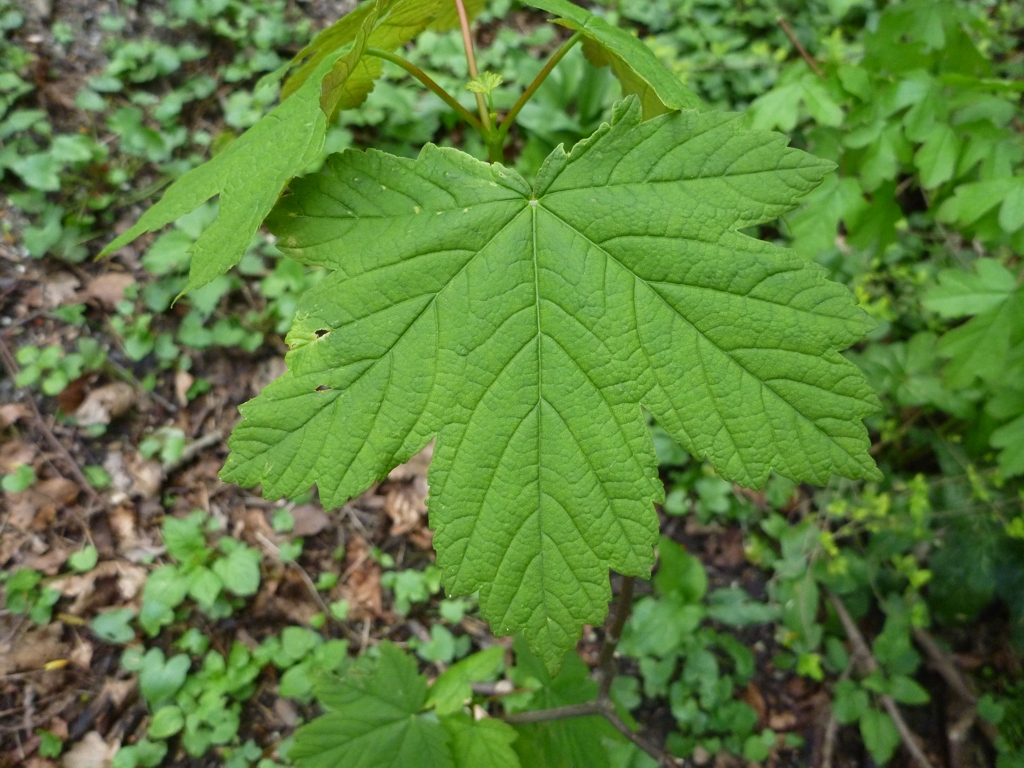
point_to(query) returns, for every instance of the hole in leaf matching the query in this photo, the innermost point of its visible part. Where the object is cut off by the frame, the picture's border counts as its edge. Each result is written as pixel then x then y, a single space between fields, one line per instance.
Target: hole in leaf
pixel 323 388
pixel 321 333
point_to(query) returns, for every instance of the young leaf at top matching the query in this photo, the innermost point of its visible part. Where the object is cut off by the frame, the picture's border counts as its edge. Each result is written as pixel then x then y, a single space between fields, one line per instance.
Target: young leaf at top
pixel 399 22
pixel 247 175
pixel 525 325
pixel 632 62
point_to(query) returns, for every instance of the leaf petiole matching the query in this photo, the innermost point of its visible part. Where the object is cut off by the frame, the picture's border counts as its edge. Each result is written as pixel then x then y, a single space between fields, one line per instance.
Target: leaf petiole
pixel 467 40
pixel 506 124
pixel 430 83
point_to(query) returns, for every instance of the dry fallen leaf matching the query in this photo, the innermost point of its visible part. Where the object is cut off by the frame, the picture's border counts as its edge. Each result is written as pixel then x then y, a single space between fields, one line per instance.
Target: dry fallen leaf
pixel 32 650
pixel 183 381
pixel 130 580
pixel 71 397
pixel 91 752
pixel 104 404
pixel 417 466
pixel 14 453
pixel 36 507
pixel 362 587
pixel 309 519
pixel 405 504
pixel 58 289
pixel 12 413
pixel 108 289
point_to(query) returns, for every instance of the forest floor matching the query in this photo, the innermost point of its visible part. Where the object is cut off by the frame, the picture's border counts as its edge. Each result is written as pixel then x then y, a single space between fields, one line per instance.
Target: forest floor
pixel 59 676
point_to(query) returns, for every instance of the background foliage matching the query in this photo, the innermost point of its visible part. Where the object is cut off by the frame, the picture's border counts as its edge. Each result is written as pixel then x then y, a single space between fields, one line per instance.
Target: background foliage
pixel 918 103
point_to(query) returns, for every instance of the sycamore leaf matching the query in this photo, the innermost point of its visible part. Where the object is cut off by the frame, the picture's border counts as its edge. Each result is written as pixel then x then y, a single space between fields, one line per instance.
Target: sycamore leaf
pixel 972 201
pixel 481 744
pixel 399 22
pixel 247 177
pixel 374 719
pixel 989 346
pixel 557 743
pixel 962 293
pixel 984 345
pixel 524 326
pixel 632 62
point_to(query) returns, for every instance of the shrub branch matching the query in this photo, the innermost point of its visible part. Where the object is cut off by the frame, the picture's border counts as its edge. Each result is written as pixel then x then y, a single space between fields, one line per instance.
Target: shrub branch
pixel 866 661
pixel 603 704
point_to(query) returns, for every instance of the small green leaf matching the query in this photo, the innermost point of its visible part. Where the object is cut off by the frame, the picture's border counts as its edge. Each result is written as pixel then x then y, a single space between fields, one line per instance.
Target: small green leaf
pixel 390 25
pixel 166 722
pixel 184 538
pixel 849 702
pixel 680 573
pixel 85 559
pixel 97 476
pixel 50 744
pixel 880 735
pixel 240 571
pixel 160 678
pixel 936 159
pixel 204 587
pixel 296 642
pixel 906 690
pixel 485 83
pixel 961 293
pixel 339 609
pixel 452 689
pixel 20 480
pixel 577 741
pixel 114 626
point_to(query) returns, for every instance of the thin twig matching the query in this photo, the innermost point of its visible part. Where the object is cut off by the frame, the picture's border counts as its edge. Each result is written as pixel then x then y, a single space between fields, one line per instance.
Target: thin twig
pixel 429 82
pixel 603 704
pixel 828 747
pixel 506 124
pixel 944 665
pixel 799 47
pixel 71 466
pixel 862 654
pixel 613 632
pixel 467 40
pixel 555 713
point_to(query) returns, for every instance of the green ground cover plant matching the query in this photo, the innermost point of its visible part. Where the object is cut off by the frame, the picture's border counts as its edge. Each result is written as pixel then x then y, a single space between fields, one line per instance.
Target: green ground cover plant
pixel 582 262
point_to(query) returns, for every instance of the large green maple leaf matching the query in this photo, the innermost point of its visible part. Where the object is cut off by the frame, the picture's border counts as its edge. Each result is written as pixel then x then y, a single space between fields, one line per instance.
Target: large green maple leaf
pixel 525 325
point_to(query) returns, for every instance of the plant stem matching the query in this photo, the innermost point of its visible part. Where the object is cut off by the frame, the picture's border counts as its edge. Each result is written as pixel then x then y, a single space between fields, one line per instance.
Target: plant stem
pixel 606 662
pixel 799 47
pixel 555 713
pixel 506 124
pixel 467 40
pixel 428 81
pixel 603 704
pixel 863 657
